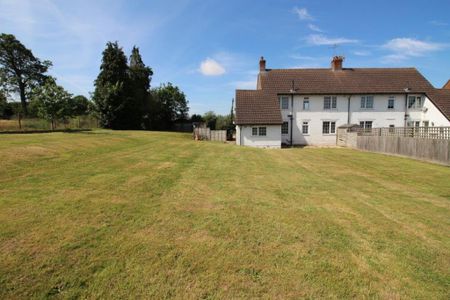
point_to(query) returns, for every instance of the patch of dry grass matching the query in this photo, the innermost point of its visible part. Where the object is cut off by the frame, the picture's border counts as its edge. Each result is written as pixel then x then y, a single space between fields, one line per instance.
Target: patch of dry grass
pixel 156 215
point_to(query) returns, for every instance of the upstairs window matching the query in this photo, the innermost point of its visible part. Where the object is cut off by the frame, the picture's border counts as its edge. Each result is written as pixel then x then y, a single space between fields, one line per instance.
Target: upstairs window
pixel 328 127
pixel 415 102
pixel 284 102
pixel 391 102
pixel 285 128
pixel 329 102
pixel 306 104
pixel 367 102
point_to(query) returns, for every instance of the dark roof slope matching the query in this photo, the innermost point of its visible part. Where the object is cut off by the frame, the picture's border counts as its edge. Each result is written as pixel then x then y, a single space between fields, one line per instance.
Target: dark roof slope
pixel 346 81
pixel 256 107
pixel 262 105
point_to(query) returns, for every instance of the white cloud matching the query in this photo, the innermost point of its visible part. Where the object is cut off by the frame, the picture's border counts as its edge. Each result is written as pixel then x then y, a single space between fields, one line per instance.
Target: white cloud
pixel 393 58
pixel 407 47
pixel 320 40
pixel 245 84
pixel 314 28
pixel 362 53
pixel 438 23
pixel 210 67
pixel 302 57
pixel 303 14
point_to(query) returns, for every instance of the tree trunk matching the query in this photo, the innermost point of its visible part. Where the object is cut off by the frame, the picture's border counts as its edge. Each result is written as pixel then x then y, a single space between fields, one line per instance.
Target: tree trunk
pixel 23 99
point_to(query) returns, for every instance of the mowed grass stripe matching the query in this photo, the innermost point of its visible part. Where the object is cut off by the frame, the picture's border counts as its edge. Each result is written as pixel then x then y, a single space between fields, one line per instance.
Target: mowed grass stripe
pixel 143 214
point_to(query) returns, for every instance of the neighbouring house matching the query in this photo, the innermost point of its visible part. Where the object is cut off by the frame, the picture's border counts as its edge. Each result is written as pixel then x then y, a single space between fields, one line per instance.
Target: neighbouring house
pixel 306 106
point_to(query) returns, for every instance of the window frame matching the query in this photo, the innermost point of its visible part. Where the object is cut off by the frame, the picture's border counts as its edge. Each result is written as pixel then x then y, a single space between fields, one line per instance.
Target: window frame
pixel 332 102
pixel 306 101
pixel 364 124
pixel 285 130
pixel 391 99
pixel 282 102
pixel 417 104
pixel 364 101
pixel 253 131
pixel 262 129
pixel 305 124
pixel 331 128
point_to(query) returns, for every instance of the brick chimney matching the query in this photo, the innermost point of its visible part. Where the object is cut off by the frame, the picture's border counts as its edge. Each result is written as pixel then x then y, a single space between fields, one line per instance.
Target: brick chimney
pixel 336 63
pixel 262 64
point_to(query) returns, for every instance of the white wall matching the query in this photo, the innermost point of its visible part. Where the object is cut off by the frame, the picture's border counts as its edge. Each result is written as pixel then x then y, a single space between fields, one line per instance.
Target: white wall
pixel 380 115
pixel 432 114
pixel 238 135
pixel 271 140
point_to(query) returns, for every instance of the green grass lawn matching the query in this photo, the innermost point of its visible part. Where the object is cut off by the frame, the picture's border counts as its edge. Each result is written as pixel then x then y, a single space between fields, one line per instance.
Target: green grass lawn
pixel 107 214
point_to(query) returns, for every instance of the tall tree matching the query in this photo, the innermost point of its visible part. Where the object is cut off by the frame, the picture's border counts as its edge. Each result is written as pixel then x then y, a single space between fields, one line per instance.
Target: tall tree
pixel 79 105
pixel 5 108
pixel 112 88
pixel 172 105
pixel 139 106
pixel 20 70
pixel 53 102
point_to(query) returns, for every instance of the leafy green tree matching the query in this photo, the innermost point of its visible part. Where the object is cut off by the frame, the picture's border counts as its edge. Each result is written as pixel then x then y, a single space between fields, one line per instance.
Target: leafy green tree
pixel 112 88
pixel 223 122
pixel 139 106
pixel 170 105
pixel 196 118
pixel 20 70
pixel 53 102
pixel 6 110
pixel 79 105
pixel 210 119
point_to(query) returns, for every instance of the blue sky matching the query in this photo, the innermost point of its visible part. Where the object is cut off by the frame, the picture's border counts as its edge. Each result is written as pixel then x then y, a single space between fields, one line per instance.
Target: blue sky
pixel 210 48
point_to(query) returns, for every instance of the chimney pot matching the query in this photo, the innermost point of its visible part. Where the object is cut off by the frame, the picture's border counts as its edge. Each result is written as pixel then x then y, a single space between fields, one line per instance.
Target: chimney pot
pixel 336 63
pixel 262 64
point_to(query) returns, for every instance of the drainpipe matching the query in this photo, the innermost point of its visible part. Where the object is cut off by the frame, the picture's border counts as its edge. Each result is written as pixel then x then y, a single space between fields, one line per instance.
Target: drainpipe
pixel 406 106
pixel 291 117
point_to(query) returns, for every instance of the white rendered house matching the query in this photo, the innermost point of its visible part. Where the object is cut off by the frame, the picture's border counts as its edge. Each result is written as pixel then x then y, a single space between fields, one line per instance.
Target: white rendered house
pixel 306 106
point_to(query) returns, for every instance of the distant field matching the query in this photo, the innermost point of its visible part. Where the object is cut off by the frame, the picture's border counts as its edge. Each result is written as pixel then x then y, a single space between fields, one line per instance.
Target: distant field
pixel 107 214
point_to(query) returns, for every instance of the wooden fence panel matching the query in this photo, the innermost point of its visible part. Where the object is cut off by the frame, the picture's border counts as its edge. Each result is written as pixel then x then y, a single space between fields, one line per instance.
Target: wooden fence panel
pixel 436 150
pixel 219 135
pixel 210 135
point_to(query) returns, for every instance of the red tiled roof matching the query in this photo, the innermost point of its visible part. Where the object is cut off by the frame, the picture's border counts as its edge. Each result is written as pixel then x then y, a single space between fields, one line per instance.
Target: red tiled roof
pixel 262 105
pixel 346 81
pixel 256 107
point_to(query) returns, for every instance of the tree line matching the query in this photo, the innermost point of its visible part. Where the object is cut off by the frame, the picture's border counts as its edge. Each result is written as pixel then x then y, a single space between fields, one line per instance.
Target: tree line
pixel 215 121
pixel 122 99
